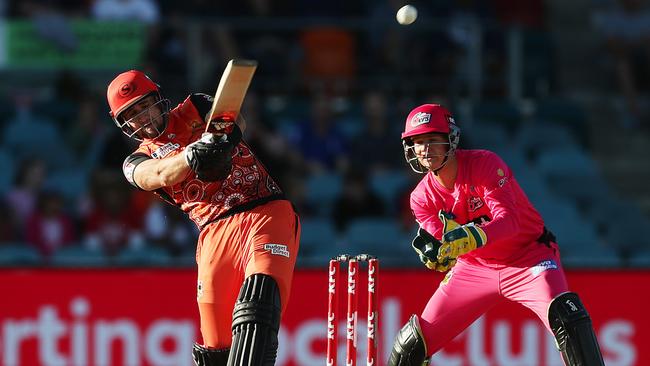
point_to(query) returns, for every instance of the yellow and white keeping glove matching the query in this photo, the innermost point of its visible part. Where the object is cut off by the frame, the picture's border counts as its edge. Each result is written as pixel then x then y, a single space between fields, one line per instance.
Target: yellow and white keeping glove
pixel 458 239
pixel 427 247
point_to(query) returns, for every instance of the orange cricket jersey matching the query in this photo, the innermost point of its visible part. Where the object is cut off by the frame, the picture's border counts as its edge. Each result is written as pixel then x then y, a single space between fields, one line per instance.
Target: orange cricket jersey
pixel 248 184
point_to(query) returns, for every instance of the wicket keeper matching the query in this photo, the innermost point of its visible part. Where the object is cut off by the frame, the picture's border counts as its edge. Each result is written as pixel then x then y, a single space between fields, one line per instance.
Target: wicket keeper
pixel 476 222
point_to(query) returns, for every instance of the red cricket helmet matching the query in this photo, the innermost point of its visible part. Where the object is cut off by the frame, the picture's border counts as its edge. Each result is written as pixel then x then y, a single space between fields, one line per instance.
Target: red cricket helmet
pixel 127 89
pixel 429 118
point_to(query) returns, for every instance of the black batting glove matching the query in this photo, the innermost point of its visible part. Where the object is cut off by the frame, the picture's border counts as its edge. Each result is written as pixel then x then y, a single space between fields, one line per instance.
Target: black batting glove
pixel 210 157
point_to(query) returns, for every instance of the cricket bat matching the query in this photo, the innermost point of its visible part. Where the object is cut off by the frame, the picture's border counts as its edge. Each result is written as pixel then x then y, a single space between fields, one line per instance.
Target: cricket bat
pixel 230 94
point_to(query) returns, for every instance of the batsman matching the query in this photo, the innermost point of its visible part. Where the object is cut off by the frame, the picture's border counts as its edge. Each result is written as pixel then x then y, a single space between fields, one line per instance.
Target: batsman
pixel 476 224
pixel 249 233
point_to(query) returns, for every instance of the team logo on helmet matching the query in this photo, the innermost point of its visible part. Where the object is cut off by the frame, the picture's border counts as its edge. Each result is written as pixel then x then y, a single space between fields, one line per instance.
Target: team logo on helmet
pixel 420 118
pixel 126 89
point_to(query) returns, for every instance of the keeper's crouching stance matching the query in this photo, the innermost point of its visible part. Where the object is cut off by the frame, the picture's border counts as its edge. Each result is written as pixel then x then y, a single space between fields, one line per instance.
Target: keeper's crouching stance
pixel 570 323
pixel 477 224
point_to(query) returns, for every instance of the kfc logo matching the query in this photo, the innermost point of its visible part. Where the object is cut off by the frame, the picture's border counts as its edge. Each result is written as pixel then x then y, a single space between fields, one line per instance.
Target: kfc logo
pixel 420 118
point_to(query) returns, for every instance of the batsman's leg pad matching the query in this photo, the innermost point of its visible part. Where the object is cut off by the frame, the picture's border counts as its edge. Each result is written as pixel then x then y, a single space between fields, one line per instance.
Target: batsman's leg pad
pixel 573 331
pixel 204 356
pixel 409 348
pixel 256 322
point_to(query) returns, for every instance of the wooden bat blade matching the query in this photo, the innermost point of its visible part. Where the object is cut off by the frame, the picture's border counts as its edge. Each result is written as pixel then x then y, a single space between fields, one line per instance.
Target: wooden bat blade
pixel 231 92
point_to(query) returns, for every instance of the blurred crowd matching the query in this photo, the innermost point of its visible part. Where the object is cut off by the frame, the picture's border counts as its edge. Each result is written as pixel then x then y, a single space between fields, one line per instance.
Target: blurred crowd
pixel 327 101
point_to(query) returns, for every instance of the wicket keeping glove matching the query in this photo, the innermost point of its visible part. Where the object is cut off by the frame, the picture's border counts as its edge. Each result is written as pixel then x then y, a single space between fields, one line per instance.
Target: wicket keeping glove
pixel 427 248
pixel 458 239
pixel 210 157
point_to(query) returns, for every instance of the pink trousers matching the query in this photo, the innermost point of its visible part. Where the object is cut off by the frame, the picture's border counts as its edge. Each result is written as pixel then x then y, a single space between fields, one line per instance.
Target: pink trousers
pixel 472 288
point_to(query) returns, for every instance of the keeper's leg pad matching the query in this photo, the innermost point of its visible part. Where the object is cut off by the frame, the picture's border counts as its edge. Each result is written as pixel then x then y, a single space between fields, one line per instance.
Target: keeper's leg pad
pixel 409 348
pixel 204 356
pixel 573 331
pixel 256 322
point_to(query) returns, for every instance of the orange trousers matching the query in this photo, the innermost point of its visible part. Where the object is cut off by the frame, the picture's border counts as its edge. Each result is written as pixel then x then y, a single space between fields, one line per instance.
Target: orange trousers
pixel 264 240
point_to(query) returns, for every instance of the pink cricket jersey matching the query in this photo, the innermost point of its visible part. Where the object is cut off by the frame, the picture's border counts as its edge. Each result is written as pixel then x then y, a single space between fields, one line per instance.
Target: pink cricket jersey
pixel 486 193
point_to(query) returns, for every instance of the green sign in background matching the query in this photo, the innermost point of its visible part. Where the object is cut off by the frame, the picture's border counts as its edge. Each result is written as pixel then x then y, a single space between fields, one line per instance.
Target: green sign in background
pixel 99 45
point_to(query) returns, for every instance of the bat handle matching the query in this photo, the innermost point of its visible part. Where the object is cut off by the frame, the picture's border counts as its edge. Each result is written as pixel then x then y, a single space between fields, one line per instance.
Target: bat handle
pixel 209 137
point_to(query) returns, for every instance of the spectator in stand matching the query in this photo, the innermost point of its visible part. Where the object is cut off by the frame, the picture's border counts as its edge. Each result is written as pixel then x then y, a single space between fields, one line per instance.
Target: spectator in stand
pixel 320 143
pixel 377 133
pixel 167 227
pixel 51 19
pixel 22 197
pixel 357 200
pixel 49 227
pixel 86 141
pixel 294 188
pixel 271 147
pixel 145 11
pixel 167 51
pixel 626 28
pixel 328 58
pixel 112 222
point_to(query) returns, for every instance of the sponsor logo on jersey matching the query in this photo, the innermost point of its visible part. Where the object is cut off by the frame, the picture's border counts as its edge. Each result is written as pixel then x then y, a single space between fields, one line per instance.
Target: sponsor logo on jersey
pixel 474 203
pixel 543 266
pixel 277 249
pixel 164 150
pixel 420 118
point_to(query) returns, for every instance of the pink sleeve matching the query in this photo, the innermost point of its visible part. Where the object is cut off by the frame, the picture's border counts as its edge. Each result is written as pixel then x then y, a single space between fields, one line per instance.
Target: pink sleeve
pixel 426 214
pixel 495 178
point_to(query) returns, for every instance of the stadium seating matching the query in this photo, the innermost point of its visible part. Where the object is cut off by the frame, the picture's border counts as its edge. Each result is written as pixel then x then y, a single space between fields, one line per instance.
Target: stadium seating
pixel 318 239
pixel 19 254
pixel 389 185
pixel 570 173
pixel 79 256
pixel 381 237
pixel 499 111
pixel 36 138
pixel 322 189
pixel 70 183
pixel 144 256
